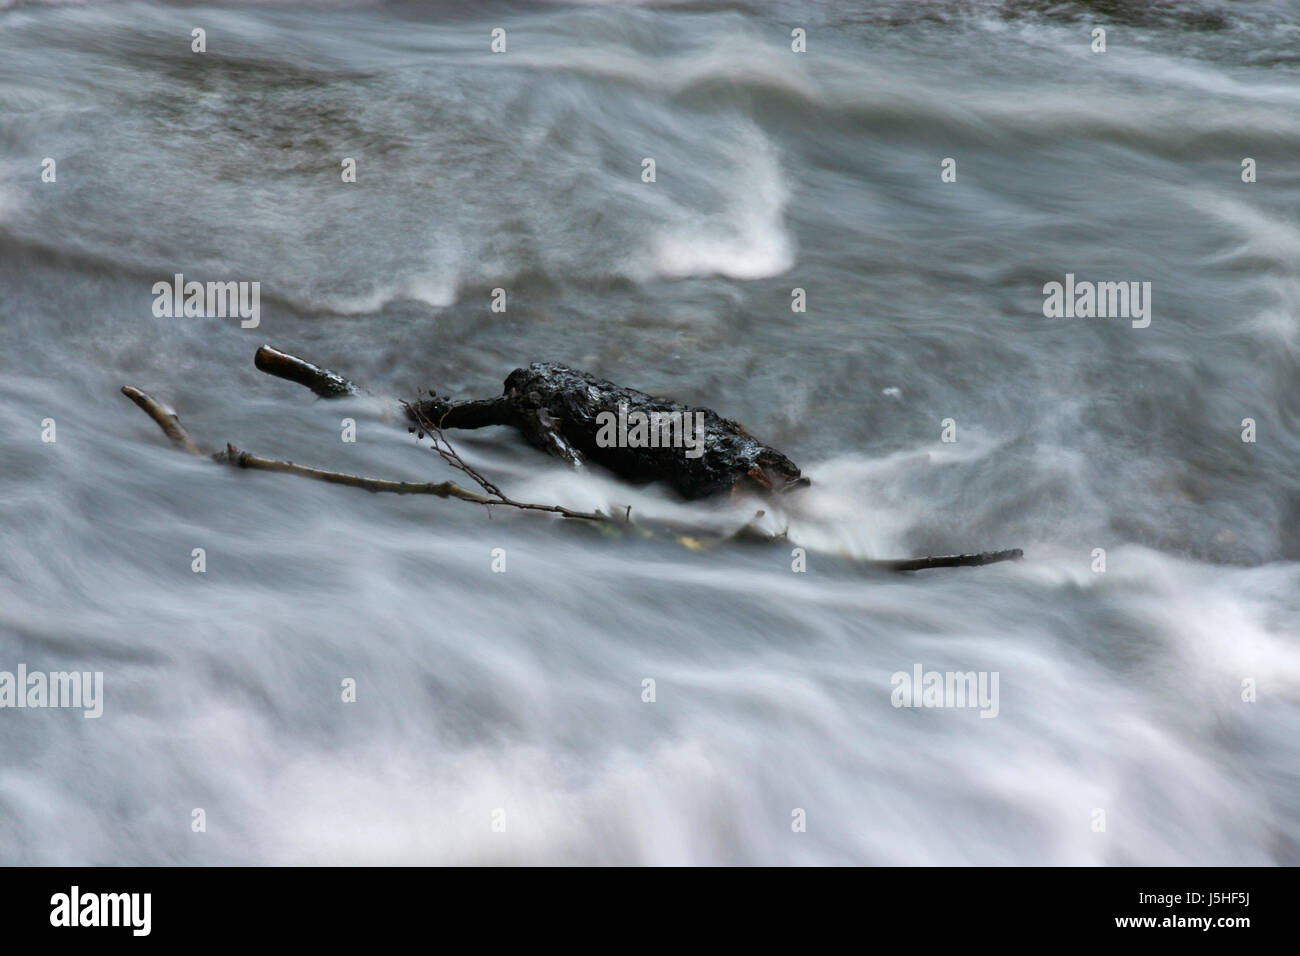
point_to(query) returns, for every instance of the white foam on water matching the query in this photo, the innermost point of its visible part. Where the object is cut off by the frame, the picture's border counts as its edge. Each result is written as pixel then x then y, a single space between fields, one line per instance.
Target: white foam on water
pixel 522 690
pixel 749 239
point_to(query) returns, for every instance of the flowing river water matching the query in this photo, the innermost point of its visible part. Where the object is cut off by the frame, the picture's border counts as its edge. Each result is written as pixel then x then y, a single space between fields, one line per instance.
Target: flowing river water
pixel 1147 713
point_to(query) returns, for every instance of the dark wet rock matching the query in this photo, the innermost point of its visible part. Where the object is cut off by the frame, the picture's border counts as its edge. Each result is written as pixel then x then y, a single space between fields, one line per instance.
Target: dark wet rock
pixel 578 417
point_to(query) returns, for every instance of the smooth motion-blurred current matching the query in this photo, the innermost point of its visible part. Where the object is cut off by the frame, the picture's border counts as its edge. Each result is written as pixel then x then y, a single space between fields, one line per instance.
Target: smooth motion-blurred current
pixel 1126 691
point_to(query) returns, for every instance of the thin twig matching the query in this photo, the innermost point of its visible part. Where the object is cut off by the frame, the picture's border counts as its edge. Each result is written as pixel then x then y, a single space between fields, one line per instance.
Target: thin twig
pixel 167 421
pixel 442 489
pixel 173 429
pixel 951 560
pixel 426 427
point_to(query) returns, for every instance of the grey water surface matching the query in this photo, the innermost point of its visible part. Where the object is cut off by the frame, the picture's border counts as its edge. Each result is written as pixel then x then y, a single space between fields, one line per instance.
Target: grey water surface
pixel 1163 692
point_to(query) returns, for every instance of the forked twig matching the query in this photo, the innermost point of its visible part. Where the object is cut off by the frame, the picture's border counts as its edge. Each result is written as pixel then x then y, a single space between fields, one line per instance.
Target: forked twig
pixel 424 425
pixel 172 428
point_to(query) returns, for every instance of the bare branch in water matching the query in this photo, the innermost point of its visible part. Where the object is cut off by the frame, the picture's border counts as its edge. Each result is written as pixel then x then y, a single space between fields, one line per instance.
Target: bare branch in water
pixel 442 489
pixel 331 384
pixel 426 426
pixel 322 381
pixel 952 560
pixel 171 425
pixel 173 429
